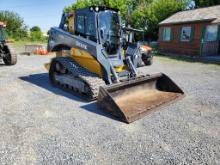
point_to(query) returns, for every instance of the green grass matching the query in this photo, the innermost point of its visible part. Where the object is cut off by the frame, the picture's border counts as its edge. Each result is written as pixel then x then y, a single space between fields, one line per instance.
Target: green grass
pixel 23 43
pixel 177 59
pixel 20 45
pixel 173 59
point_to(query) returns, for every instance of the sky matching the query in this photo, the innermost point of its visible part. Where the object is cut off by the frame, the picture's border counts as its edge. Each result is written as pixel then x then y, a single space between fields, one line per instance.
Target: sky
pixel 43 13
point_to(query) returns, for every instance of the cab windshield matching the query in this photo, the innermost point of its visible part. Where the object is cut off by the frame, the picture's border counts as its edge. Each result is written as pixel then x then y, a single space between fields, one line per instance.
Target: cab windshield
pixel 2 34
pixel 109 26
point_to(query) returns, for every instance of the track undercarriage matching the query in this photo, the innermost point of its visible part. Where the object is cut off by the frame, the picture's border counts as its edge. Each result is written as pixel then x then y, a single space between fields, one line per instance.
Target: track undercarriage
pixel 67 74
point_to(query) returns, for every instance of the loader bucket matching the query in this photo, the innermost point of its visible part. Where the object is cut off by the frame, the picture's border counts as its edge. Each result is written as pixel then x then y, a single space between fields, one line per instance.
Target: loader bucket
pixel 133 99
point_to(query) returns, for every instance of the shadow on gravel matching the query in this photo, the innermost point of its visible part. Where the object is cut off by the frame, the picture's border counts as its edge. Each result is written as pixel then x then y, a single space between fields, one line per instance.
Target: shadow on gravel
pixel 42 80
pixel 93 108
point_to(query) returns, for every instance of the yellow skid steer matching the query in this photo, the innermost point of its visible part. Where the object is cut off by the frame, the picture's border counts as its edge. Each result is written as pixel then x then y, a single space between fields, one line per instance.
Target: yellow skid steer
pixel 97 61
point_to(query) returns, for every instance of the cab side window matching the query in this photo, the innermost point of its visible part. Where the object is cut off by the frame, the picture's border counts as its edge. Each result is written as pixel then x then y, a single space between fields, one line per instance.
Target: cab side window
pixel 90 28
pixel 80 25
pixel 85 26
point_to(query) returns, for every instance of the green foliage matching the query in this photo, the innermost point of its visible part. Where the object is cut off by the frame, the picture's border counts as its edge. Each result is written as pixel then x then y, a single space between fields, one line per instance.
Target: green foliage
pixel 206 3
pixel 17 30
pixel 142 14
pixel 122 5
pixel 148 17
pixel 15 25
pixel 36 34
pixel 35 28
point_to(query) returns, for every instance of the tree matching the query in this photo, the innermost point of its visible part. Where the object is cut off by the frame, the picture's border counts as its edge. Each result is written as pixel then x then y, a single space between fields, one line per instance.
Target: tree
pixel 15 24
pixel 206 3
pixel 36 34
pixel 126 7
pixel 143 14
pixel 149 17
pixel 35 28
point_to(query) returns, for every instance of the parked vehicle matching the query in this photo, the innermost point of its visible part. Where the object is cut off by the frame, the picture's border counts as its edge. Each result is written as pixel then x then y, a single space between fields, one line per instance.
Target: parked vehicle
pixel 6 52
pixel 94 60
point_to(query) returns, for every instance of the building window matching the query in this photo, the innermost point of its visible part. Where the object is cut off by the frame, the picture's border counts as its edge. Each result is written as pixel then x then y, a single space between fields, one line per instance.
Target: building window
pixel 167 34
pixel 211 33
pixel 186 33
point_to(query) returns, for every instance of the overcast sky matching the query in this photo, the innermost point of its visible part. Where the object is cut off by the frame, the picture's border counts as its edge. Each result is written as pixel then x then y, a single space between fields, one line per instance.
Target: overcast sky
pixel 44 13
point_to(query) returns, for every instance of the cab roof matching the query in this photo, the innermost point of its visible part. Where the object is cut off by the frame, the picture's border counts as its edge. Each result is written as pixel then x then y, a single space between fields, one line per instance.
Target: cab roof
pixel 100 8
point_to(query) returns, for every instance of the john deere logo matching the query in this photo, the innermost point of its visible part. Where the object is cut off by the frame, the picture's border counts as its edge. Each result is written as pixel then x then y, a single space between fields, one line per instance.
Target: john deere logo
pixel 81 45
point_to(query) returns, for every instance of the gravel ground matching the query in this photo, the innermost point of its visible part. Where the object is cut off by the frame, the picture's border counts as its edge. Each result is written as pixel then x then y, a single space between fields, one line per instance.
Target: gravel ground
pixel 40 124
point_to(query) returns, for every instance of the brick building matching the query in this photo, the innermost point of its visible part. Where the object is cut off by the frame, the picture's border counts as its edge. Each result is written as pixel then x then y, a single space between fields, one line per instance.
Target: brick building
pixel 192 32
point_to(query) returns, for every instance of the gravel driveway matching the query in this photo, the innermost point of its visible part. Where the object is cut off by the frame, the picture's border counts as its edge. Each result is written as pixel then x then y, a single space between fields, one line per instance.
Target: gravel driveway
pixel 40 124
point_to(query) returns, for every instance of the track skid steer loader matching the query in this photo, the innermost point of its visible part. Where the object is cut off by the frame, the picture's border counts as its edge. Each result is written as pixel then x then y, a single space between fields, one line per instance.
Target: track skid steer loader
pixel 95 61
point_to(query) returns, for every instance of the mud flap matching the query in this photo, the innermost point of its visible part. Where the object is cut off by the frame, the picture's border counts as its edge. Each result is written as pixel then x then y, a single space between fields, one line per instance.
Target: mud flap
pixel 133 99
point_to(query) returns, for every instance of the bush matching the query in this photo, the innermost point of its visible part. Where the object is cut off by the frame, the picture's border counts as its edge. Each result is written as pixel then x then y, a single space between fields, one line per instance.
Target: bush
pixel 16 28
pixel 36 34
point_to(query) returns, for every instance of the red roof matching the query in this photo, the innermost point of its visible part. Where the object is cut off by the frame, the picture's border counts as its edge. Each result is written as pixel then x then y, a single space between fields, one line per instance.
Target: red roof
pixel 211 14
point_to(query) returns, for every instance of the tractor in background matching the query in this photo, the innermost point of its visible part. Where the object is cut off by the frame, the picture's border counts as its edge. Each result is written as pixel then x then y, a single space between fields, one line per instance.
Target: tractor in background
pixel 7 54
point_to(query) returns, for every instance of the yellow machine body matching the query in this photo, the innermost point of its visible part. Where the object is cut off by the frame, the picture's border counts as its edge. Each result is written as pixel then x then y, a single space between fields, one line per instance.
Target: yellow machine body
pixel 86 60
pixel 130 98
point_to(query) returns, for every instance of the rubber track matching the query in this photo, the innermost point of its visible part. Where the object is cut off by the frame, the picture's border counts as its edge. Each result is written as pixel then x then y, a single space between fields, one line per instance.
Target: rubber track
pixel 91 79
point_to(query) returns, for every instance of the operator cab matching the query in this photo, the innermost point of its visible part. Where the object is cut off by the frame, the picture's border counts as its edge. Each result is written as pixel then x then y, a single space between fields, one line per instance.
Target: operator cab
pixel 109 29
pixel 85 25
pixel 101 25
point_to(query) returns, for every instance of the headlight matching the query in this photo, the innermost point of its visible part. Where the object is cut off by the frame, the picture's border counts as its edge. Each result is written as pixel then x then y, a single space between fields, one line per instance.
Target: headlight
pixel 97 8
